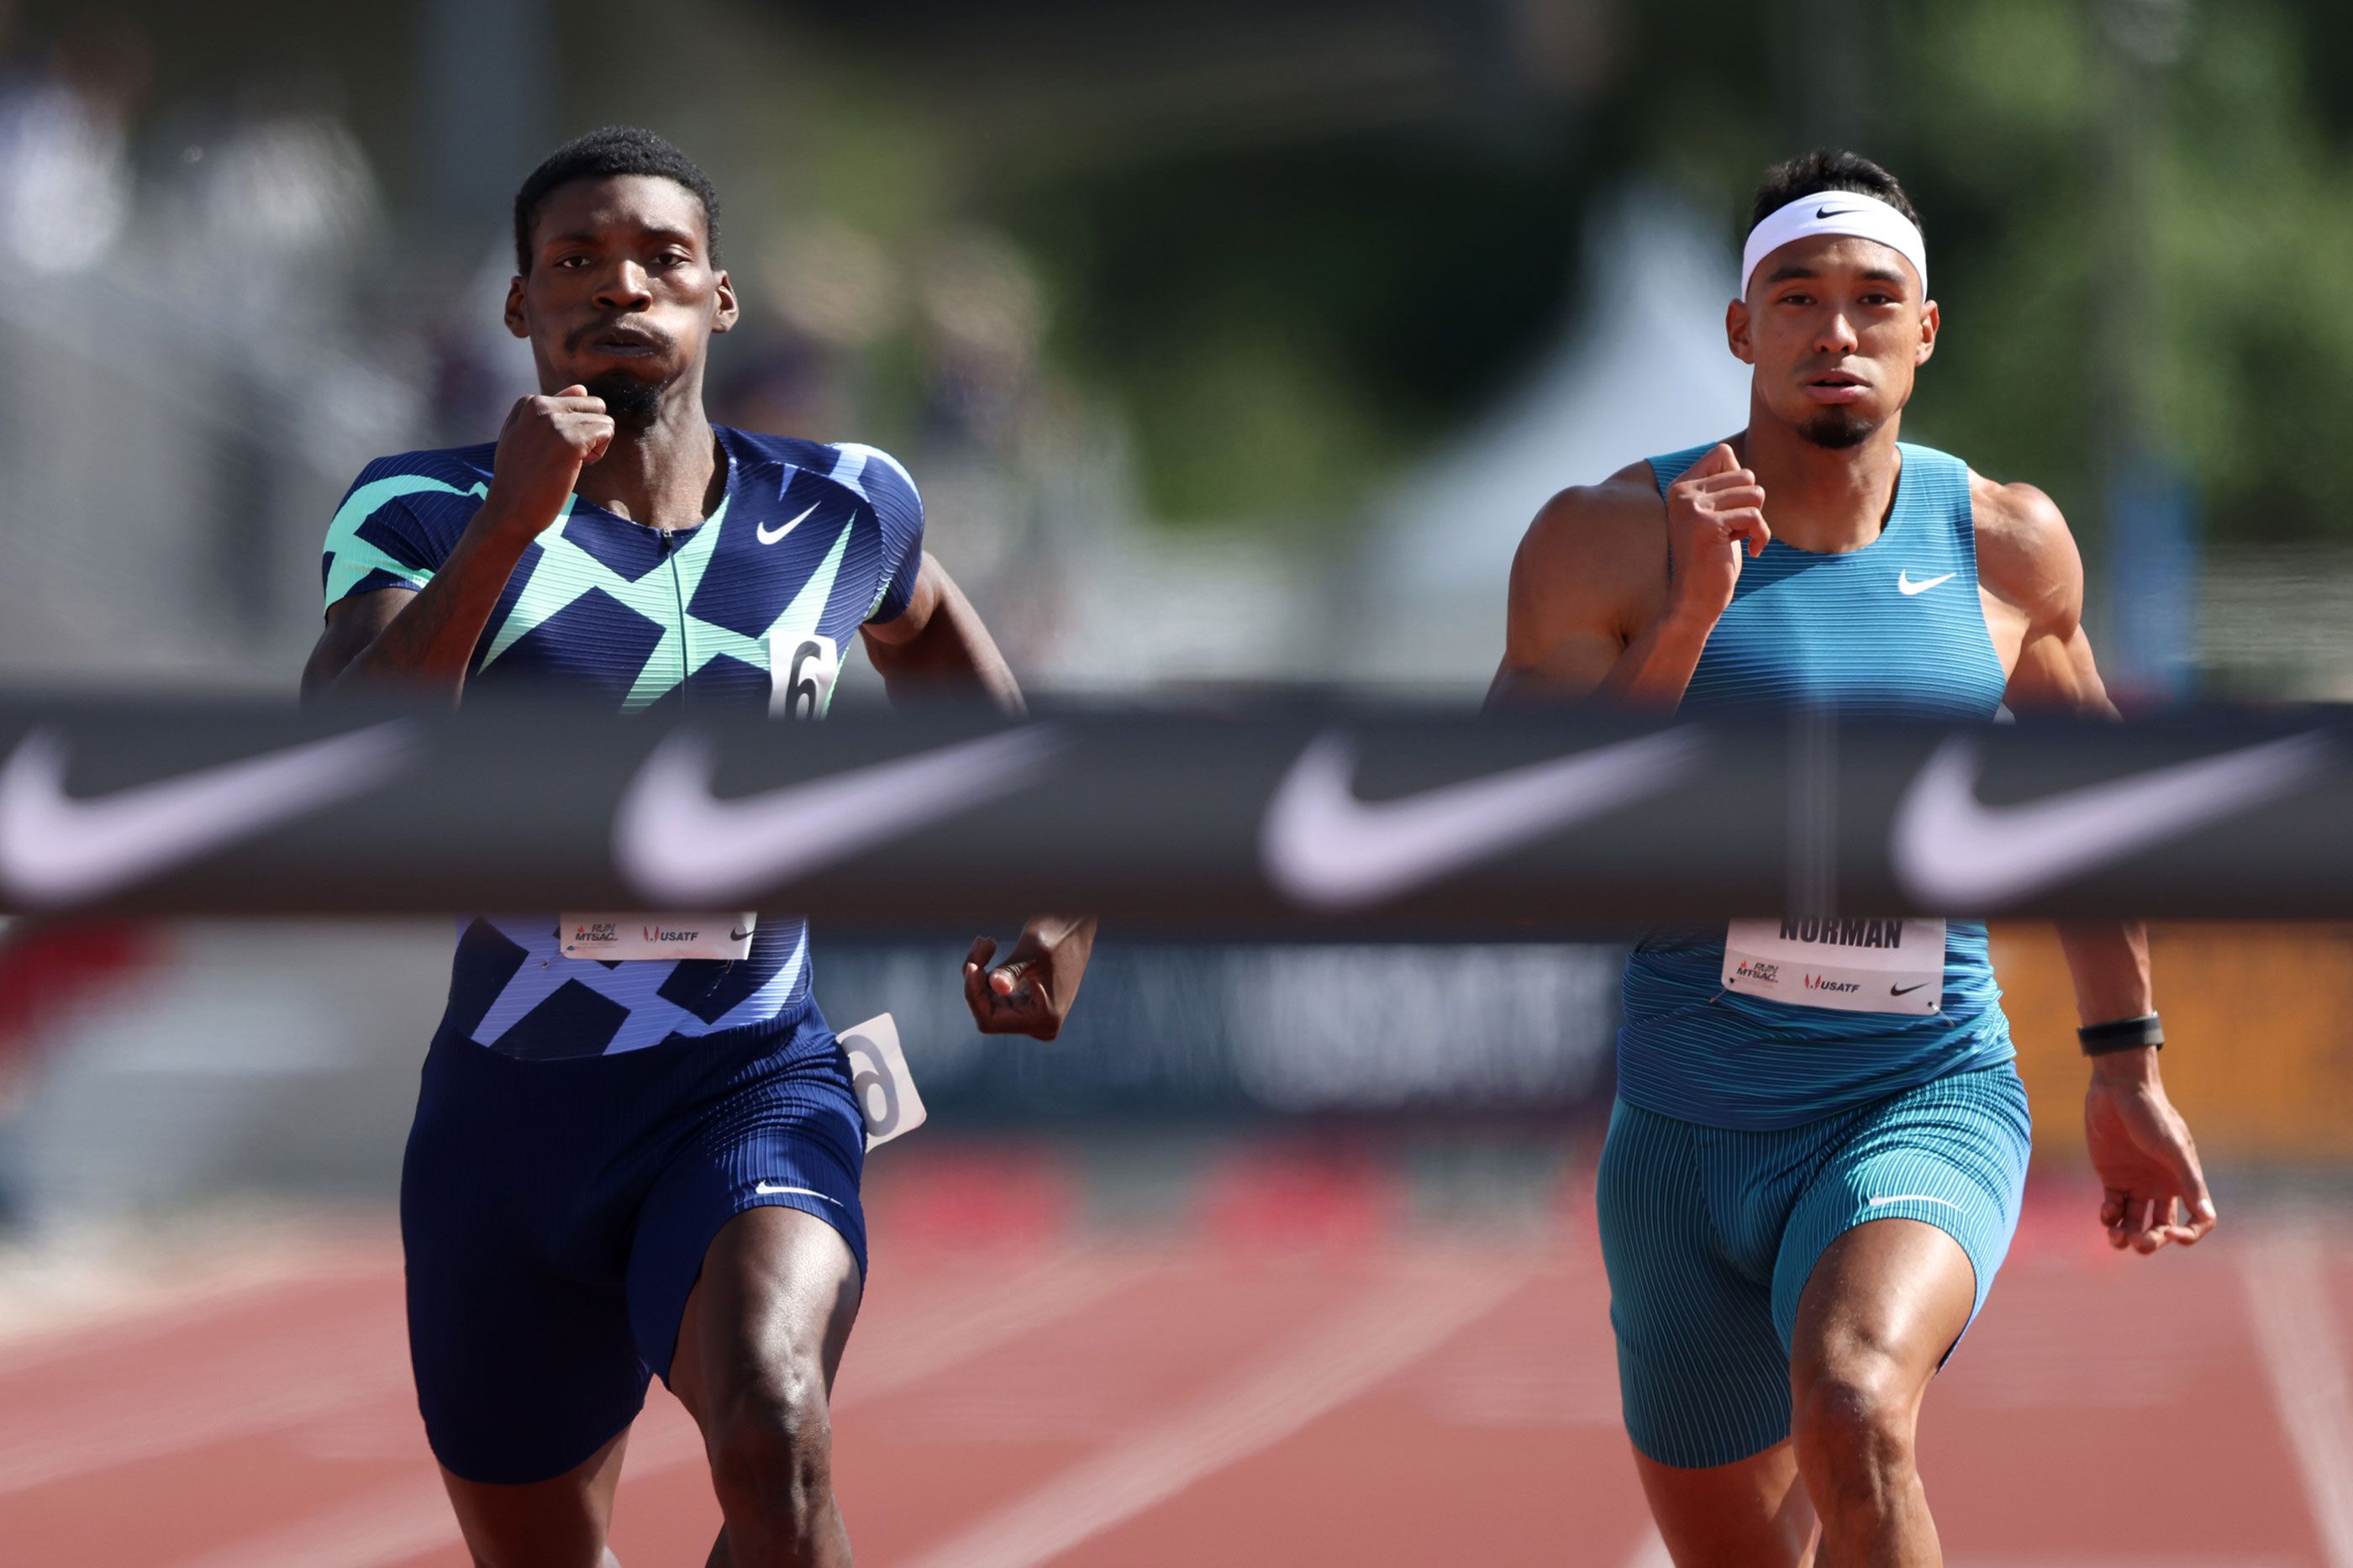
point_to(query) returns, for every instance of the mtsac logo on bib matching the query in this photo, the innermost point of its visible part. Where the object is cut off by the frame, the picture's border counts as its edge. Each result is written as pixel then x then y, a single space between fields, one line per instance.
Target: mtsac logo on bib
pixel 1822 983
pixel 666 933
pixel 1845 933
pixel 596 931
pixel 1751 968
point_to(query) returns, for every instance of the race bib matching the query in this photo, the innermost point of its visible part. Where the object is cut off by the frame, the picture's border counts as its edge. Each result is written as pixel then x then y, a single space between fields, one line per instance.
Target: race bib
pixel 886 1089
pixel 610 938
pixel 1848 966
pixel 801 672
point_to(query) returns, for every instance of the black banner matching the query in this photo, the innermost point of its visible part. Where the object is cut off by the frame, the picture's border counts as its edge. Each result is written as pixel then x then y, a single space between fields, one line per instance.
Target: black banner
pixel 1301 819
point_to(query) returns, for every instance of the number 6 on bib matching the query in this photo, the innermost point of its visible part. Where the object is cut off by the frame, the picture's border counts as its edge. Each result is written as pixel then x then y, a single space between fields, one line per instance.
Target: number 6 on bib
pixel 878 1071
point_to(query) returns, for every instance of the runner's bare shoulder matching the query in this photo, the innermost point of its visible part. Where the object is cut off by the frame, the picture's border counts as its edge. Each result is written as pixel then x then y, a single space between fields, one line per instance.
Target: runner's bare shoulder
pixel 1596 550
pixel 2026 556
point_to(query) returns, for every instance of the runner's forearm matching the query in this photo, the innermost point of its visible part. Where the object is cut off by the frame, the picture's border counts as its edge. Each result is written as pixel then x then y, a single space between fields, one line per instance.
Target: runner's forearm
pixel 2109 963
pixel 427 648
pixel 1656 668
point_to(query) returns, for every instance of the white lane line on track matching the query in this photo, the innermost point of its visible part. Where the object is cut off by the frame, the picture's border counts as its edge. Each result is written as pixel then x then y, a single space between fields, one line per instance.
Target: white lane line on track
pixel 1390 1324
pixel 2122 1559
pixel 2304 1357
pixel 259 1387
pixel 1649 1552
pixel 93 1305
pixel 400 1520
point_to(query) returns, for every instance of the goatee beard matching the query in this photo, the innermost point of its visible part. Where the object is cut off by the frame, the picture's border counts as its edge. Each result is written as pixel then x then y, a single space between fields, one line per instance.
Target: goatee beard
pixel 1838 429
pixel 632 402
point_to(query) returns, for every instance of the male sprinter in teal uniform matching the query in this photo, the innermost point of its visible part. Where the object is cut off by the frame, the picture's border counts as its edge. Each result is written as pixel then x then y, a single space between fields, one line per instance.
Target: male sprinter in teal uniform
pixel 1806 1192
pixel 646 1163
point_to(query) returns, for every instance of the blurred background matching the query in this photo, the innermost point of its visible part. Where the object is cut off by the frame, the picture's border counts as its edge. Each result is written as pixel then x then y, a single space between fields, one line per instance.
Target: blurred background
pixel 1231 344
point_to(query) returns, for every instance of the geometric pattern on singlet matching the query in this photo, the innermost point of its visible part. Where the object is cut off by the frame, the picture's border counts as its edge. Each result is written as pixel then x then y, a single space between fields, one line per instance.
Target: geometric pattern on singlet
pixel 808 540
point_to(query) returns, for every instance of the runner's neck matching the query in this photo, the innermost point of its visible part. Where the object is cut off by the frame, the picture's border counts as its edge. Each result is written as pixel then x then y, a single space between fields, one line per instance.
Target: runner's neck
pixel 1820 499
pixel 670 475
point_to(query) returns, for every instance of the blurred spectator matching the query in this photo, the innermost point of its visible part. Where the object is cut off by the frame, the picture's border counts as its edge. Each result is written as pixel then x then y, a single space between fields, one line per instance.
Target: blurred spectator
pixel 47 972
pixel 275 201
pixel 65 168
pixel 788 386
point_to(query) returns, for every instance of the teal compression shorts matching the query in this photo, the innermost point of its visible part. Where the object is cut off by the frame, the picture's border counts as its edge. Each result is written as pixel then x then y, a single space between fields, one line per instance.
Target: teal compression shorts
pixel 1710 1233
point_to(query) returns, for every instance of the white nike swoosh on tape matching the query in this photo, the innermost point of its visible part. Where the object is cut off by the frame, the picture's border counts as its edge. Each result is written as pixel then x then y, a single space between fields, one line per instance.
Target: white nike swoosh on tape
pixel 1904 586
pixel 768 538
pixel 675 843
pixel 1952 851
pixel 1323 847
pixel 772 1189
pixel 57 849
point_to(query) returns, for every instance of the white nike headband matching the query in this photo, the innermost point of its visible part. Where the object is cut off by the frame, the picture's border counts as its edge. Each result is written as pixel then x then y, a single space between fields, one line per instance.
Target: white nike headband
pixel 1834 212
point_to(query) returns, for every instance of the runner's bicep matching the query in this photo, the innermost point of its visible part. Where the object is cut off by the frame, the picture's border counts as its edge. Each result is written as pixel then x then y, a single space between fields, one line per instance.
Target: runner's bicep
pixel 2056 673
pixel 923 600
pixel 1561 637
pixel 352 622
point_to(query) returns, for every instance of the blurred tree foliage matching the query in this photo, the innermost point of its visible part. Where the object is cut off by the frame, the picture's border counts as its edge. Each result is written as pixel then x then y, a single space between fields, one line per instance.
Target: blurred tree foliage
pixel 1285 325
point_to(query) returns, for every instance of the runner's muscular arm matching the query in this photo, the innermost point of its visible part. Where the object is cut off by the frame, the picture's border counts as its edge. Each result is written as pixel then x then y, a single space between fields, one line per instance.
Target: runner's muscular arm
pixel 1595 609
pixel 2027 561
pixel 938 646
pixel 419 640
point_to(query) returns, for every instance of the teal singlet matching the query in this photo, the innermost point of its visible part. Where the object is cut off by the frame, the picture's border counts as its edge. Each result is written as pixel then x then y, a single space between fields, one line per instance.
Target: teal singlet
pixel 1894 628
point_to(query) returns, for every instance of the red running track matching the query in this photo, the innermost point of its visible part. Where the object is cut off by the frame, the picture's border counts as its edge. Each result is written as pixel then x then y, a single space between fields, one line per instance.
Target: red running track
pixel 1359 1389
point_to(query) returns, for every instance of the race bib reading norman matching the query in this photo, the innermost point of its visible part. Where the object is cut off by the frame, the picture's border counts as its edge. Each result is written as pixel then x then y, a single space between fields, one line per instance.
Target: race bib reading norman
pixel 1851 965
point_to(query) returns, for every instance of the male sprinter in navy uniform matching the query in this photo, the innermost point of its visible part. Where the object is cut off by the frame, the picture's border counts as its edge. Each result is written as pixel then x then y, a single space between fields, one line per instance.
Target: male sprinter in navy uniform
pixel 649 1164
pixel 1807 1189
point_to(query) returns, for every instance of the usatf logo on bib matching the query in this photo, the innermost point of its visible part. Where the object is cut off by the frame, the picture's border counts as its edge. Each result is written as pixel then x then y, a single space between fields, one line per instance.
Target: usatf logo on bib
pixel 618 939
pixel 1845 966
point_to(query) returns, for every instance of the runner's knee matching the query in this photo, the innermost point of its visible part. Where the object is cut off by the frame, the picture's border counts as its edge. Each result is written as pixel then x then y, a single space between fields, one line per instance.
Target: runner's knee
pixel 771 1446
pixel 1854 1415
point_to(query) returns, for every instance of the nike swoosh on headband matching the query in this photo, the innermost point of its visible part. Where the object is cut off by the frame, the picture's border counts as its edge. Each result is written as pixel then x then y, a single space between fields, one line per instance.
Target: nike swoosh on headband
pixel 1820 212
pixel 58 849
pixel 768 538
pixel 1322 846
pixel 675 842
pixel 1952 851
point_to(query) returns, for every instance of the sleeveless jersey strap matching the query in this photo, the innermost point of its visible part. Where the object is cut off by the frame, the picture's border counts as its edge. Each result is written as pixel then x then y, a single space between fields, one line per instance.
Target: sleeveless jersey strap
pixel 1667 469
pixel 1937 493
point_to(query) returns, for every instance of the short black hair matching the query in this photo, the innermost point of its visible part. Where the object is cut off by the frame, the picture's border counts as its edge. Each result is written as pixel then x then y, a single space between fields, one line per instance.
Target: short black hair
pixel 606 155
pixel 1827 169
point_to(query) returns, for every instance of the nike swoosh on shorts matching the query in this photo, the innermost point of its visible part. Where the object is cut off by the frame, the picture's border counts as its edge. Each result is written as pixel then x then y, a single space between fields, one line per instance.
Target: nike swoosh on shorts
pixel 1951 851
pixel 57 849
pixel 677 843
pixel 1322 846
pixel 773 1189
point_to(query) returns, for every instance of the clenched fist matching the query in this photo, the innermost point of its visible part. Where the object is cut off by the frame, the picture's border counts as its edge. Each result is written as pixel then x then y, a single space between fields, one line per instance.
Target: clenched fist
pixel 1714 511
pixel 1030 992
pixel 542 446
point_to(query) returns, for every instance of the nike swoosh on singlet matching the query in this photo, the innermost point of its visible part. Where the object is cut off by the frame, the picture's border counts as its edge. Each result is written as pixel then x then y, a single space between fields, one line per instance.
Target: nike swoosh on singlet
pixel 1322 846
pixel 1904 586
pixel 768 538
pixel 1951 851
pixel 675 842
pixel 57 849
